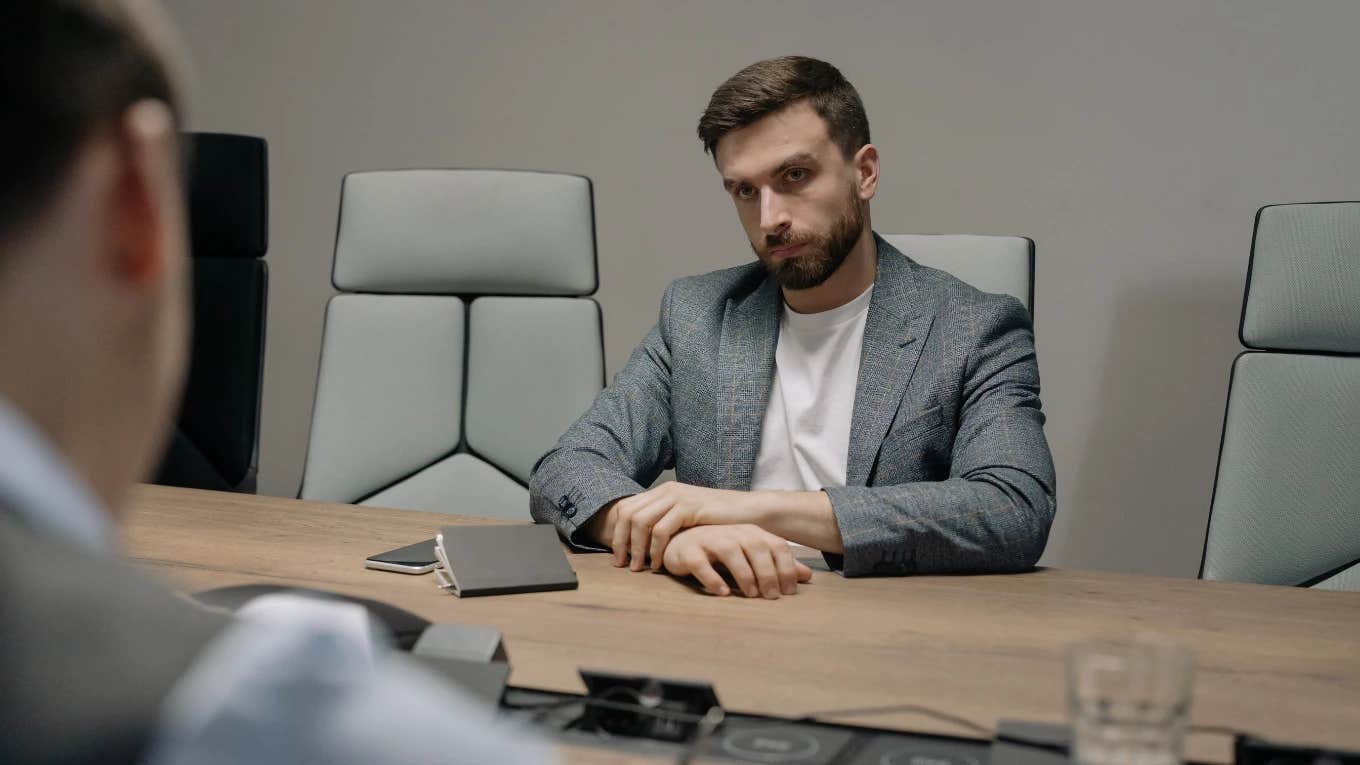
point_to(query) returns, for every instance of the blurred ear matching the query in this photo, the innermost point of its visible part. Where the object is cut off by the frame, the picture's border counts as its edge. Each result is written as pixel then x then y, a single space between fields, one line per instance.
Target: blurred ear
pixel 147 206
pixel 866 171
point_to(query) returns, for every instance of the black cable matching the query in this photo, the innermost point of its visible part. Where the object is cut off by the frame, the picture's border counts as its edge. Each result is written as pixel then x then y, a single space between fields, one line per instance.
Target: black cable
pixel 1220 729
pixel 924 711
pixel 627 706
pixel 820 717
pixel 620 706
pixel 963 722
pixel 543 705
pixel 539 709
pixel 1032 743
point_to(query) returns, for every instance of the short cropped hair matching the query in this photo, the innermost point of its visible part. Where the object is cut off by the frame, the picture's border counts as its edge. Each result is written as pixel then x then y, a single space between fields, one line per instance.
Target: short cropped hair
pixel 66 68
pixel 773 84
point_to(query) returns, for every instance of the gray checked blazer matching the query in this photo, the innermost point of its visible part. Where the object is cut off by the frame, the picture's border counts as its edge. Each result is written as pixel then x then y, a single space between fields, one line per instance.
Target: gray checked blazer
pixel 948 467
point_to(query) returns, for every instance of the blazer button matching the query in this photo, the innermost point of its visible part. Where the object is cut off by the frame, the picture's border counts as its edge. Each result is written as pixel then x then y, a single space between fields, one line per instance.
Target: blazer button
pixel 569 511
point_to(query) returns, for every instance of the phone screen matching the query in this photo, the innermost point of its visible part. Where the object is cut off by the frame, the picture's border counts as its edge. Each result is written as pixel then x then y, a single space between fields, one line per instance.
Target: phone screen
pixel 418 554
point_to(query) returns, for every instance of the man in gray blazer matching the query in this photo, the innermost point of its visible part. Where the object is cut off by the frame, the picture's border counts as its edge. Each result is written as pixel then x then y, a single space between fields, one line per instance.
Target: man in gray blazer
pixel 834 394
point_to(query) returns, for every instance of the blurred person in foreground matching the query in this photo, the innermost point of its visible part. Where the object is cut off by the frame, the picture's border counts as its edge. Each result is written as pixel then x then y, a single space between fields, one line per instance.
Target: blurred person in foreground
pixel 99 663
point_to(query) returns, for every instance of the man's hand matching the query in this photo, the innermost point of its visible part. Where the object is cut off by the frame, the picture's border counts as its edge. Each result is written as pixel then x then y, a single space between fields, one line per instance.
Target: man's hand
pixel 759 562
pixel 644 523
pixel 640 525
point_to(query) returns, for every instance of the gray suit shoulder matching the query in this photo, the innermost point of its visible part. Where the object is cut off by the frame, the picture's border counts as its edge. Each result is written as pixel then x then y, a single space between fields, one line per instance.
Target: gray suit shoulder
pixel 953 295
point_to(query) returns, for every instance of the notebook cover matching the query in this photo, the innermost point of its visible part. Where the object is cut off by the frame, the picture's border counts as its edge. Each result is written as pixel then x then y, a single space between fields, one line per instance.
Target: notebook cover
pixel 503 560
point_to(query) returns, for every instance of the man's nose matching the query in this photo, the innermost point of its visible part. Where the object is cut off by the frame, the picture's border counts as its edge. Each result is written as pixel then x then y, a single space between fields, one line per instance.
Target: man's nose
pixel 774 214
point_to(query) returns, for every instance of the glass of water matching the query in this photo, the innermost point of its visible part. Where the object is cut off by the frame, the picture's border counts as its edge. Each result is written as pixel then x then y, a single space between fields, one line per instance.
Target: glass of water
pixel 1129 701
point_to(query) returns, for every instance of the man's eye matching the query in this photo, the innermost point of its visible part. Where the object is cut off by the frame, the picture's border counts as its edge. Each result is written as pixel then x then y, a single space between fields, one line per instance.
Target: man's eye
pixel 746 192
pixel 796 175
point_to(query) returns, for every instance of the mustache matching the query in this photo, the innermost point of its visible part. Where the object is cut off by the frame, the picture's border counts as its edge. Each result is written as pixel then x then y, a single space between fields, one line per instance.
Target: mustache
pixel 784 239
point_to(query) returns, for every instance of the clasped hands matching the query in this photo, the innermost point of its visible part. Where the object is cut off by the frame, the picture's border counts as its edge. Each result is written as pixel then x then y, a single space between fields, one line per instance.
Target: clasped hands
pixel 691 530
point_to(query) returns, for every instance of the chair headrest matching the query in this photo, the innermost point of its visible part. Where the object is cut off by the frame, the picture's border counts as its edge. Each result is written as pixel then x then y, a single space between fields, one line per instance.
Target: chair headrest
pixel 1001 264
pixel 228 195
pixel 1303 284
pixel 507 232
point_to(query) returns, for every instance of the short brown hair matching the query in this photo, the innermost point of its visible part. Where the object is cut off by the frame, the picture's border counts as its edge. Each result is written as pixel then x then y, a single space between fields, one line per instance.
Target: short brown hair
pixel 775 83
pixel 67 66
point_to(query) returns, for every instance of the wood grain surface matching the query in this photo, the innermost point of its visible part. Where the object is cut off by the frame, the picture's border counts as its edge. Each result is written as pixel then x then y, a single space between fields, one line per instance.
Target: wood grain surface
pixel 1280 662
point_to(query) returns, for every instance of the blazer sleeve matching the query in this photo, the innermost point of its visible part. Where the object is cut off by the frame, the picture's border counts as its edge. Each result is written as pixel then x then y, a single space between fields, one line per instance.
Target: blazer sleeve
pixel 993 512
pixel 617 448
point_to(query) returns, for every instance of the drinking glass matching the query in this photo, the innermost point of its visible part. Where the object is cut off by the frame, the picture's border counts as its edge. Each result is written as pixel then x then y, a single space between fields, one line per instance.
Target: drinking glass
pixel 1129 701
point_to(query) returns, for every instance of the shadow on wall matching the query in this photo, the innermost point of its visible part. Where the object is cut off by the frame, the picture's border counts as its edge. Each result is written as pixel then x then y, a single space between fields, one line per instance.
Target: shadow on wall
pixel 1142 487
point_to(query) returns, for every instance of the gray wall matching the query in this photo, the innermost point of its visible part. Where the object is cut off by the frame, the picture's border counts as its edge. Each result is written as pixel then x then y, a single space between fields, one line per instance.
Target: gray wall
pixel 1132 140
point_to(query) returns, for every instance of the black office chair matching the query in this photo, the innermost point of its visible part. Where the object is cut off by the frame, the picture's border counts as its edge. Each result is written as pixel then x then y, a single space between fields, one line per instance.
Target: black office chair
pixel 216 442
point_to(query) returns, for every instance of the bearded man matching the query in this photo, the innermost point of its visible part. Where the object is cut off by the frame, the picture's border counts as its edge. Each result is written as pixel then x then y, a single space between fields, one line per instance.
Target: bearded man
pixel 834 394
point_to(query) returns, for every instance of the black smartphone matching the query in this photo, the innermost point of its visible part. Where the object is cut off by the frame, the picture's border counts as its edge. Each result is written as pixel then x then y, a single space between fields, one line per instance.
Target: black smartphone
pixel 418 558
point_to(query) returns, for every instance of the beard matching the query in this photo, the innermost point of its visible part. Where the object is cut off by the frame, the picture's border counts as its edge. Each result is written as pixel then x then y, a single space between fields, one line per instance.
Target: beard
pixel 826 250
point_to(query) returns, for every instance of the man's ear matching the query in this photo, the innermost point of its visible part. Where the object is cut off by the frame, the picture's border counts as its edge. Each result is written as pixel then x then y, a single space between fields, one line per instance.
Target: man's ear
pixel 146 193
pixel 866 171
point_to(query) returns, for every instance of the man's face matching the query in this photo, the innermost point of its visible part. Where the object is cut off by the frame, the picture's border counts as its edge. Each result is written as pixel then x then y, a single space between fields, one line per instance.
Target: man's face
pixel 796 194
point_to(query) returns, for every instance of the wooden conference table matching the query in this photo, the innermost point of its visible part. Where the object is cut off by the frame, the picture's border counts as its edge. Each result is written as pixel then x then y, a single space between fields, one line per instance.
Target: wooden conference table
pixel 1279 662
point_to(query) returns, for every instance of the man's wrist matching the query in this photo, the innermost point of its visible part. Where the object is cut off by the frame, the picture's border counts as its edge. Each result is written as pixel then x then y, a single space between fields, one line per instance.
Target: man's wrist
pixel 600 528
pixel 805 517
pixel 758 507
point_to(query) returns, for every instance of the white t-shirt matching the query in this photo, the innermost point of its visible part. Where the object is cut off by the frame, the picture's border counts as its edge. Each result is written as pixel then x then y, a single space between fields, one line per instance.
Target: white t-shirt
pixel 805 438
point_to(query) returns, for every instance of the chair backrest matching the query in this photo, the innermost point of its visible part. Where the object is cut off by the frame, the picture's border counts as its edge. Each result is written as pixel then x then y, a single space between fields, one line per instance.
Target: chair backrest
pixel 1286 504
pixel 464 343
pixel 1001 264
pixel 216 441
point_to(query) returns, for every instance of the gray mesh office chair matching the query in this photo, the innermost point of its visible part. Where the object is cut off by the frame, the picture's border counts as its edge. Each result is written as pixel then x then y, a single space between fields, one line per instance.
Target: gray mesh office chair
pixel 1001 264
pixel 464 343
pixel 1286 504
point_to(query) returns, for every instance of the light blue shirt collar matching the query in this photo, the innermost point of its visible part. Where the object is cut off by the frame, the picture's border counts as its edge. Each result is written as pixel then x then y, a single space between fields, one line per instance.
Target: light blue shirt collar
pixel 39 487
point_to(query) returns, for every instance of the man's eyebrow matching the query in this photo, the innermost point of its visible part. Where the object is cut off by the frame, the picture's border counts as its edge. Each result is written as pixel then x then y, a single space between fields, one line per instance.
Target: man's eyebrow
pixel 801 158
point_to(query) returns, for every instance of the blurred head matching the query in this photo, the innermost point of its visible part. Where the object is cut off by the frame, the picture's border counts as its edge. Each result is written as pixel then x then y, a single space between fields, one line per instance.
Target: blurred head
pixel 791 140
pixel 93 271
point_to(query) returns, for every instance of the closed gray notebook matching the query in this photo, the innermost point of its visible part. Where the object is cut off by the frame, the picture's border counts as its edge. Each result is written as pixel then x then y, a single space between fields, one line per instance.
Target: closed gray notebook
pixel 501 560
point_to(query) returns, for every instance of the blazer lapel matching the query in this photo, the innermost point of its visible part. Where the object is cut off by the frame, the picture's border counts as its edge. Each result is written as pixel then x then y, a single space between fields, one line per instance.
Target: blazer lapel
pixel 750 331
pixel 894 333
